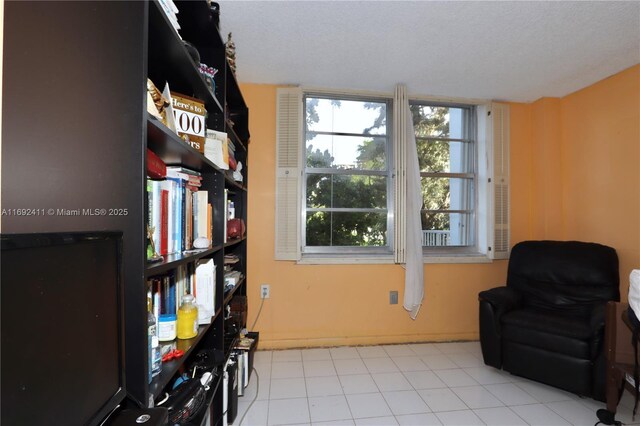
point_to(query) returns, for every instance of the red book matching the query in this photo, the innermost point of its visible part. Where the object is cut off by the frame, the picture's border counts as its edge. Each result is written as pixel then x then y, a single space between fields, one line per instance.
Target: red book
pixel 164 222
pixel 156 169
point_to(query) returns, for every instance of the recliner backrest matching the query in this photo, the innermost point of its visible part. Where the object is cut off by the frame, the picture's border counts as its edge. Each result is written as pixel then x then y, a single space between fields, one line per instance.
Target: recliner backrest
pixel 569 276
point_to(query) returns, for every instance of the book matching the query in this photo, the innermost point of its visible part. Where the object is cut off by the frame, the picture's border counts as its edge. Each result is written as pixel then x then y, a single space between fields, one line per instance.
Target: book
pixel 155 209
pixel 202 198
pixel 205 290
pixel 170 10
pixel 156 168
pixel 164 222
pixel 184 170
pixel 231 259
pixel 188 214
pixel 216 148
pixel 210 223
pixel 169 186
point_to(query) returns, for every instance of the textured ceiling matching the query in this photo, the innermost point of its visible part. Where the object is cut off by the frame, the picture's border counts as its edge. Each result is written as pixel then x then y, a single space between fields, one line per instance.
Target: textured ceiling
pixel 517 51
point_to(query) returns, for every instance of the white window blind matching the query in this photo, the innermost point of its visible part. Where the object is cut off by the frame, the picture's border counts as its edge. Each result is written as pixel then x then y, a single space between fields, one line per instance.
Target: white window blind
pixel 493 134
pixel 288 159
pixel 500 146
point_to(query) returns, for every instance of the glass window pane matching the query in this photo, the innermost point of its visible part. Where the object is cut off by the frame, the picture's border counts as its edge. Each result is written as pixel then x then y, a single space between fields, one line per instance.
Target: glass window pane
pixel 346 152
pixel 346 191
pixel 447 229
pixel 447 193
pixel 346 116
pixel 445 157
pixel 318 191
pixel 360 229
pixel 360 192
pixel 346 229
pixel 439 121
pixel 318 229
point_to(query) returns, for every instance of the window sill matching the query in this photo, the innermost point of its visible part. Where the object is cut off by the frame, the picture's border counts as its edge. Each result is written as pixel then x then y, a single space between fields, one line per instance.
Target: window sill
pixel 456 258
pixel 388 259
pixel 345 260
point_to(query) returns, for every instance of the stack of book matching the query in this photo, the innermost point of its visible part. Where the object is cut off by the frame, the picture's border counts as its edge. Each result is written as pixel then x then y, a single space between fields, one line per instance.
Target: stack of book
pixel 178 212
pixel 170 10
pixel 216 148
pixel 232 154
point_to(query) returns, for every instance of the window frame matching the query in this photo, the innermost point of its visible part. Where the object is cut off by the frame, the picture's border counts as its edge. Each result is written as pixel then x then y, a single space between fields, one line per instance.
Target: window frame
pixel 320 252
pixel 473 250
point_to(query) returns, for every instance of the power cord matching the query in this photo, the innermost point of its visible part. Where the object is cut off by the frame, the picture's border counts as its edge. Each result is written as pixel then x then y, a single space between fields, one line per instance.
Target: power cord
pixel 258 316
pixel 253 369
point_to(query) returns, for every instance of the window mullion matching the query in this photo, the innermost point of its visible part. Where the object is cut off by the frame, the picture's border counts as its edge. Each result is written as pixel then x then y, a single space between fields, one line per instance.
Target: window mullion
pixel 358 172
pixel 448 175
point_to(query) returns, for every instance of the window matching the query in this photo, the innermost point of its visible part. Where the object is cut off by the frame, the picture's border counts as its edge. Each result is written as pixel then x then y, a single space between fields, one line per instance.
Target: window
pixel 347 202
pixel 446 149
pixel 341 165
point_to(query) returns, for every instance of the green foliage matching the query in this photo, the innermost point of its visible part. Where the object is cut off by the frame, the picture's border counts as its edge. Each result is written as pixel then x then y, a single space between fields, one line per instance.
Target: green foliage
pixel 433 156
pixel 340 191
pixel 311 112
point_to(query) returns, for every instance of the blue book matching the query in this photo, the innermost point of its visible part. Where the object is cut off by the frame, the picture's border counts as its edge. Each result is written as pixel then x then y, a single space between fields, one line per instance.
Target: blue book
pixel 178 209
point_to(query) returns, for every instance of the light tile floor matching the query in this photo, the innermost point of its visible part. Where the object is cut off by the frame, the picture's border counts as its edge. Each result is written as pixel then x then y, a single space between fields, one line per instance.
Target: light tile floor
pixel 415 384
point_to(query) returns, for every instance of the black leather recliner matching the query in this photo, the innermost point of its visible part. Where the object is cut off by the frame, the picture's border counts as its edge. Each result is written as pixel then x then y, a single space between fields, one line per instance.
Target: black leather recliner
pixel 547 324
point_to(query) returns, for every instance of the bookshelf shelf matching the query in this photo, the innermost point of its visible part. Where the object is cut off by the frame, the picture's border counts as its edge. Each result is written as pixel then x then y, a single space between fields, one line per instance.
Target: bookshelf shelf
pixel 173 150
pixel 170 368
pixel 234 136
pixel 234 242
pixel 172 261
pixel 228 295
pixel 230 183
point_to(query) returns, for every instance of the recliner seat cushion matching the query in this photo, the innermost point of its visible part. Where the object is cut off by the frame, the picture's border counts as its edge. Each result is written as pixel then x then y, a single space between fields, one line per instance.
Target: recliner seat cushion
pixel 564 334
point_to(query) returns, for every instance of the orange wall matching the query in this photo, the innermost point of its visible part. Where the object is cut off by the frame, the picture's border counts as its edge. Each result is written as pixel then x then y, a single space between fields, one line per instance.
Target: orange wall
pixel 574 175
pixel 600 141
pixel 546 166
pixel 585 167
pixel 316 305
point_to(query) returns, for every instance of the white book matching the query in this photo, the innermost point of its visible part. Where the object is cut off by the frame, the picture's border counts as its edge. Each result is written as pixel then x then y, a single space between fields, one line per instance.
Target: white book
pixel 170 186
pixel 205 290
pixel 203 200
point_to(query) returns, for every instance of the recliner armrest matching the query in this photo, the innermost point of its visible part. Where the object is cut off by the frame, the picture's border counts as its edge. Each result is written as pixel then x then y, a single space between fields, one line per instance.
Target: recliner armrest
pixel 596 324
pixel 493 304
pixel 503 299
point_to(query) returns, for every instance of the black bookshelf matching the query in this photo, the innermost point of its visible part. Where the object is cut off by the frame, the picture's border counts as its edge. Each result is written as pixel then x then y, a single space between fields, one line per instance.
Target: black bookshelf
pixel 76 131
pixel 167 60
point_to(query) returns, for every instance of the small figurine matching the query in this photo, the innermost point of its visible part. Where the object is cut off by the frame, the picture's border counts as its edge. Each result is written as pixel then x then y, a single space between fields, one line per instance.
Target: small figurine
pixel 230 49
pixel 152 254
pixel 208 73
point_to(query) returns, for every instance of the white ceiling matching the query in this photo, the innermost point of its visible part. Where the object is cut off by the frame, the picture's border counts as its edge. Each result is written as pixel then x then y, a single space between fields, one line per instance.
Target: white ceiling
pixel 516 51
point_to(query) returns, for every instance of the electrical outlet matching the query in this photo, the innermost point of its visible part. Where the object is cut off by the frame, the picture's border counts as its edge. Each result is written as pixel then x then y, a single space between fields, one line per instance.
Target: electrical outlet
pixel 265 291
pixel 393 297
